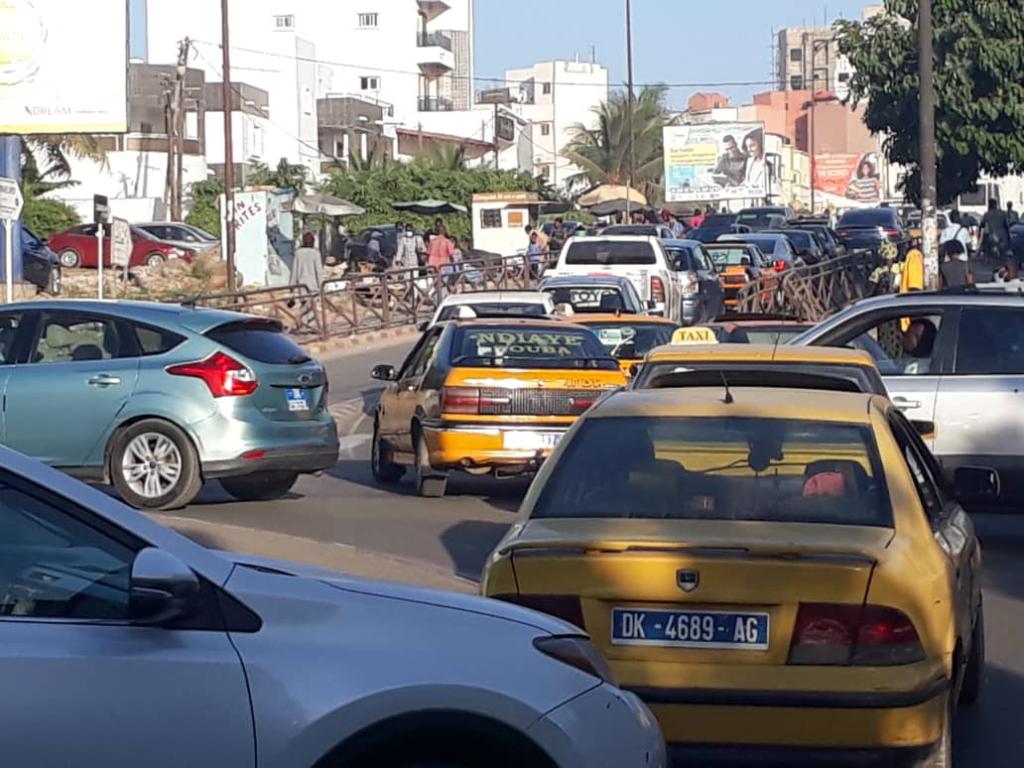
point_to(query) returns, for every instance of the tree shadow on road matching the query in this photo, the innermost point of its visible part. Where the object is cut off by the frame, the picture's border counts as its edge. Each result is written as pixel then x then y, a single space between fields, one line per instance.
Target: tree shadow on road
pixel 469 543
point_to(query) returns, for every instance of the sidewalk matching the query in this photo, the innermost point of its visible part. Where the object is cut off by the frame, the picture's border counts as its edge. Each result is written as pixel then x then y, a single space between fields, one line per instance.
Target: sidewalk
pixel 342 344
pixel 338 557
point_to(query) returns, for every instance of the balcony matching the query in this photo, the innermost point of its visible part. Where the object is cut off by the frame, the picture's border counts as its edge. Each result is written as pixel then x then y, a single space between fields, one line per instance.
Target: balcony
pixel 433 40
pixel 435 104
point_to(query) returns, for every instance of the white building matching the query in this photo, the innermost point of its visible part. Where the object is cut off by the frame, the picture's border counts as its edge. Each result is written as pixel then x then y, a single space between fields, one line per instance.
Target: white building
pixel 554 96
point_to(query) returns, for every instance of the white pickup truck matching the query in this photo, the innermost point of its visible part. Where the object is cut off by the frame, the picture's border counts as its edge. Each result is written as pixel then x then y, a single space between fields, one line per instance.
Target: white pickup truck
pixel 643 260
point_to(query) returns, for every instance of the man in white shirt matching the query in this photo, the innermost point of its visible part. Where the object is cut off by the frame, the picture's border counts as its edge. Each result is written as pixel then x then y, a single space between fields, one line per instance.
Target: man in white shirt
pixel 956 231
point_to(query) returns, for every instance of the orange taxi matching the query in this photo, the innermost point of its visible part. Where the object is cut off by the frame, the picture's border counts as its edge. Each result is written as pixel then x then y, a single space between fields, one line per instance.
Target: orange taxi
pixel 486 397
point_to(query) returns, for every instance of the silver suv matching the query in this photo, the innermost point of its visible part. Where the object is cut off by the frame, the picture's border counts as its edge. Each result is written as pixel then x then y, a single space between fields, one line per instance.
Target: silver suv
pixel 955 359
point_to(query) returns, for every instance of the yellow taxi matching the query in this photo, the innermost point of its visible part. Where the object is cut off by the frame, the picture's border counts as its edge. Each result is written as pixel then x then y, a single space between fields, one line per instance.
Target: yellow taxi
pixel 628 338
pixel 485 396
pixel 776 574
pixel 760 364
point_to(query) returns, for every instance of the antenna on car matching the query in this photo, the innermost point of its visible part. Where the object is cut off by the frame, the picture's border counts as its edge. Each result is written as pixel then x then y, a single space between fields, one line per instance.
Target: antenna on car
pixel 728 399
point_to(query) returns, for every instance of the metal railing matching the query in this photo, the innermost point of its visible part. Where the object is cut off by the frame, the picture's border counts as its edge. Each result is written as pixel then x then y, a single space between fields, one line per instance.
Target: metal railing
pixel 433 40
pixel 435 104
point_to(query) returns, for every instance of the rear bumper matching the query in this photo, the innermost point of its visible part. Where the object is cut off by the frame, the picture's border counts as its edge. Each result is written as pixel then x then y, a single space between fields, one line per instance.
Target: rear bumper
pixel 800 721
pixel 475 446
pixel 301 459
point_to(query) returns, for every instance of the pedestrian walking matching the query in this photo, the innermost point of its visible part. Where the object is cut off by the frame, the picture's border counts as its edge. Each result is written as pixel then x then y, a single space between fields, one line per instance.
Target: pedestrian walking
pixel 697 219
pixel 439 255
pixel 912 273
pixel 955 271
pixel 678 228
pixel 1012 217
pixel 955 231
pixel 995 229
pixel 308 275
pixel 411 249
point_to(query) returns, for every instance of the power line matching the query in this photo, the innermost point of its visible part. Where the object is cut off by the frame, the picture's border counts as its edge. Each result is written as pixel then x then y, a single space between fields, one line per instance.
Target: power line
pixel 492 80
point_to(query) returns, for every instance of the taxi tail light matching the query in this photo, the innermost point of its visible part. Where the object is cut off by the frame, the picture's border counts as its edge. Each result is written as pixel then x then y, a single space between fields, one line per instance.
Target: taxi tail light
pixel 780 265
pixel 565 607
pixel 580 404
pixel 868 636
pixel 657 290
pixel 225 376
pixel 468 400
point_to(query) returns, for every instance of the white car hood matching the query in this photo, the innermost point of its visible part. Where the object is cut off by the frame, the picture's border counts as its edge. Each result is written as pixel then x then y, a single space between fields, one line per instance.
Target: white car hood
pixel 394 591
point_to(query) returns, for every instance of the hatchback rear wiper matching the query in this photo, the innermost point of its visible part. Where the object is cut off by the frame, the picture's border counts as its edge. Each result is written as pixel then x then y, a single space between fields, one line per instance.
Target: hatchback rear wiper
pixel 299 358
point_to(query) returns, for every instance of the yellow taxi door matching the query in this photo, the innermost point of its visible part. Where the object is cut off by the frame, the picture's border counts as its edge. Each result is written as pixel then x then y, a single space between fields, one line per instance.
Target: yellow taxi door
pixel 401 405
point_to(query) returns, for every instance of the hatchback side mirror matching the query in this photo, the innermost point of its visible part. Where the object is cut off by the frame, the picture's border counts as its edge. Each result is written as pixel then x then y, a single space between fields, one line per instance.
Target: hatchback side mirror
pixel 162 589
pixel 384 373
pixel 976 484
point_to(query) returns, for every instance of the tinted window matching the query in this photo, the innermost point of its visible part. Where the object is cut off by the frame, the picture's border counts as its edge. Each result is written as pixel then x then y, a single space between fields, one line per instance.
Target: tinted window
pixel 718 221
pixel 259 341
pixel 522 346
pixel 497 308
pixel 760 335
pixel 598 298
pixel 991 341
pixel 724 256
pixel 645 230
pixel 54 566
pixel 610 252
pixel 681 259
pixel 156 341
pixel 632 340
pixel 69 338
pixel 719 469
pixel 868 217
pixel 8 332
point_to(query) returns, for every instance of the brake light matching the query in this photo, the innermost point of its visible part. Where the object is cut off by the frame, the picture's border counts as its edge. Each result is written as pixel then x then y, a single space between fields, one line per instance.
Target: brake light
pixel 460 400
pixel 657 290
pixel 869 636
pixel 225 376
pixel 780 265
pixel 580 404
pixel 566 607
pixel 891 232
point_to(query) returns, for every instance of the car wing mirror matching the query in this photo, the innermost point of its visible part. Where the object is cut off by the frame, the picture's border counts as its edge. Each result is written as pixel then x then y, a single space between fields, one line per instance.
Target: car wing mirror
pixel 634 369
pixel 926 429
pixel 421 327
pixel 384 373
pixel 976 484
pixel 162 589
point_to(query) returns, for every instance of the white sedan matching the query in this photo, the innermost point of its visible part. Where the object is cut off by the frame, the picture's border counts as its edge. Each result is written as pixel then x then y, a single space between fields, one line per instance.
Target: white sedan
pixel 124 643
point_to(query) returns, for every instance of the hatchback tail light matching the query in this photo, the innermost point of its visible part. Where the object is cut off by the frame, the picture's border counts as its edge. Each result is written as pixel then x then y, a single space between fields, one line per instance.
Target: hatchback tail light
pixel 657 290
pixel 225 376
pixel 780 265
pixel 566 607
pixel 868 636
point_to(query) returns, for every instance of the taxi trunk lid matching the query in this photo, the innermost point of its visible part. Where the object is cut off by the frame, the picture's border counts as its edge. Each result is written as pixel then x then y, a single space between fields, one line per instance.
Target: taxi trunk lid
pixel 516 392
pixel 737 585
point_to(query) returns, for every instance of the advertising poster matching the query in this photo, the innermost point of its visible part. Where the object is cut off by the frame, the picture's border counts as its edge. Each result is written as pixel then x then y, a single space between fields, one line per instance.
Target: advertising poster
pixel 850 176
pixel 716 161
pixel 63 66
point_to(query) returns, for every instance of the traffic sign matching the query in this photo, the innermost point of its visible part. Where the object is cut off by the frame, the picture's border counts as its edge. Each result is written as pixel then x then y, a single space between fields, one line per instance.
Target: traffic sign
pixel 120 243
pixel 100 209
pixel 11 201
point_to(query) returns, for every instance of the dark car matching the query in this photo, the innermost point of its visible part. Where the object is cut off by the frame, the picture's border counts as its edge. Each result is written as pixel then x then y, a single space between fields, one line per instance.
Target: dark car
pixel 805 244
pixel 715 225
pixel 39 265
pixel 766 217
pixel 826 238
pixel 643 230
pixel 701 290
pixel 870 227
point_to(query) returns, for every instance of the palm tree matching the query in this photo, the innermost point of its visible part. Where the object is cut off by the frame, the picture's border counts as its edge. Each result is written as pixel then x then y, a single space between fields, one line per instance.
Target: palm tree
pixel 445 157
pixel 284 176
pixel 603 153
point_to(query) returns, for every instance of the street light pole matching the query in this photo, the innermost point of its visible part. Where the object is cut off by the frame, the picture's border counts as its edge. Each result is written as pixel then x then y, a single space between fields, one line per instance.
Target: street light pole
pixel 229 150
pixel 629 103
pixel 929 192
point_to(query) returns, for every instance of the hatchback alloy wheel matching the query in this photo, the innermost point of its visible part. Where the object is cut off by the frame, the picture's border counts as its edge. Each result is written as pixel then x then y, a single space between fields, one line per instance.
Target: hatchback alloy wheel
pixel 151 465
pixel 69 258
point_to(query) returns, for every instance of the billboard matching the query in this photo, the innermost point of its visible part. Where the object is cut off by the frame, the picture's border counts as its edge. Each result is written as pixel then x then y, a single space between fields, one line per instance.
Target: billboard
pixel 63 66
pixel 715 161
pixel 850 176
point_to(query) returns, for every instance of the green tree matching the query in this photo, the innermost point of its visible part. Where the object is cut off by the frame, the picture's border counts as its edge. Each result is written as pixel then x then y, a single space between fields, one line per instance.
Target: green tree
pixel 283 176
pixel 43 216
pixel 979 85
pixel 205 212
pixel 603 152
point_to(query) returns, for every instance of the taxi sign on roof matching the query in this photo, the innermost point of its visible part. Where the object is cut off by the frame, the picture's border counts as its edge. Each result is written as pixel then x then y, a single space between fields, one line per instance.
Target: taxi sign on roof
pixel 696 335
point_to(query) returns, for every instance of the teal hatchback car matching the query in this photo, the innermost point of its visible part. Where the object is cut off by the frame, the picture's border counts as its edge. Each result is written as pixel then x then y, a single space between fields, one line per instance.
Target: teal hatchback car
pixel 156 399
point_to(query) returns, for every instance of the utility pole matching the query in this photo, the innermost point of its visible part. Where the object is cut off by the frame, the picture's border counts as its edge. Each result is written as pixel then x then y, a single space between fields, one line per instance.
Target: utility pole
pixel 929 191
pixel 629 103
pixel 229 152
pixel 170 119
pixel 177 138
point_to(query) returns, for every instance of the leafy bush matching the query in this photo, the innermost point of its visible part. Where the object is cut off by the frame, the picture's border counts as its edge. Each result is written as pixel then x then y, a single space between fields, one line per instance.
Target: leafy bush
pixel 45 217
pixel 205 212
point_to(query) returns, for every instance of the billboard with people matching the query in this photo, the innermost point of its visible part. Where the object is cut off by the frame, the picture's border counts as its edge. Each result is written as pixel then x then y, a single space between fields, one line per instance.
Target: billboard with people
pixel 851 176
pixel 716 161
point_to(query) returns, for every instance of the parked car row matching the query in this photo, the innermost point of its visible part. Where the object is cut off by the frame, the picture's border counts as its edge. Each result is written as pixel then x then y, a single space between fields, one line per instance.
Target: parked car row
pixel 152 244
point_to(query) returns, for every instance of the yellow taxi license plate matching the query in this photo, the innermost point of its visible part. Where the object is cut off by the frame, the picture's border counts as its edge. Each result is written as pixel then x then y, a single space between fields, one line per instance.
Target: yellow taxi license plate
pixel 531 441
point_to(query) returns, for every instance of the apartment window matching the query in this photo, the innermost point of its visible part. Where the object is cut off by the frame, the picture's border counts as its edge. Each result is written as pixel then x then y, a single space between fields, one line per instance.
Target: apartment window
pixel 796 54
pixel 369 83
pixel 367 20
pixel 284 22
pixel 796 83
pixel 844 77
pixel 545 129
pixel 545 89
pixel 490 218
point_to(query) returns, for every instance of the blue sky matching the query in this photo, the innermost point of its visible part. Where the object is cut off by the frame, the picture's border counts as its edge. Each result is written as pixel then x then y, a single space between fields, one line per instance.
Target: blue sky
pixel 677 41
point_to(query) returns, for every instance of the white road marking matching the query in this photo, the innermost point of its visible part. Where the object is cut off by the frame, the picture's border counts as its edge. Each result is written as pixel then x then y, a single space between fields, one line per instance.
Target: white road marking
pixel 350 442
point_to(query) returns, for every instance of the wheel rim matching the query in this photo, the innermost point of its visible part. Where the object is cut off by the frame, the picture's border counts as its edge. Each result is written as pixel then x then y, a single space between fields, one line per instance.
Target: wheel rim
pixel 151 465
pixel 69 258
pixel 154 260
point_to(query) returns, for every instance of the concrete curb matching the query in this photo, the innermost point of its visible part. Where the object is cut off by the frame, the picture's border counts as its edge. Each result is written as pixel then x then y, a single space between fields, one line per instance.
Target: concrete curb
pixel 335 556
pixel 345 343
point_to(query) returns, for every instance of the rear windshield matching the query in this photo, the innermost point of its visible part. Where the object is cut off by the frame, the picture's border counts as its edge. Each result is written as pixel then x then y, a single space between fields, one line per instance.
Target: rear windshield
pixel 610 252
pixel 681 258
pixel 758 219
pixel 602 298
pixel 524 347
pixel 690 468
pixel 259 341
pixel 729 257
pixel 720 221
pixel 630 341
pixel 512 309
pixel 802 239
pixel 868 217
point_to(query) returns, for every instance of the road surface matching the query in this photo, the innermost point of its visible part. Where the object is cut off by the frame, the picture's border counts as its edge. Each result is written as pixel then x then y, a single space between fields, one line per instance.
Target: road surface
pixel 459 531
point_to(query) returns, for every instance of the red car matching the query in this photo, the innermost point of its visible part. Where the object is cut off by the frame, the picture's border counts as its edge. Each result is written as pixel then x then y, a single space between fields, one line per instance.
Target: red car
pixel 76 247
